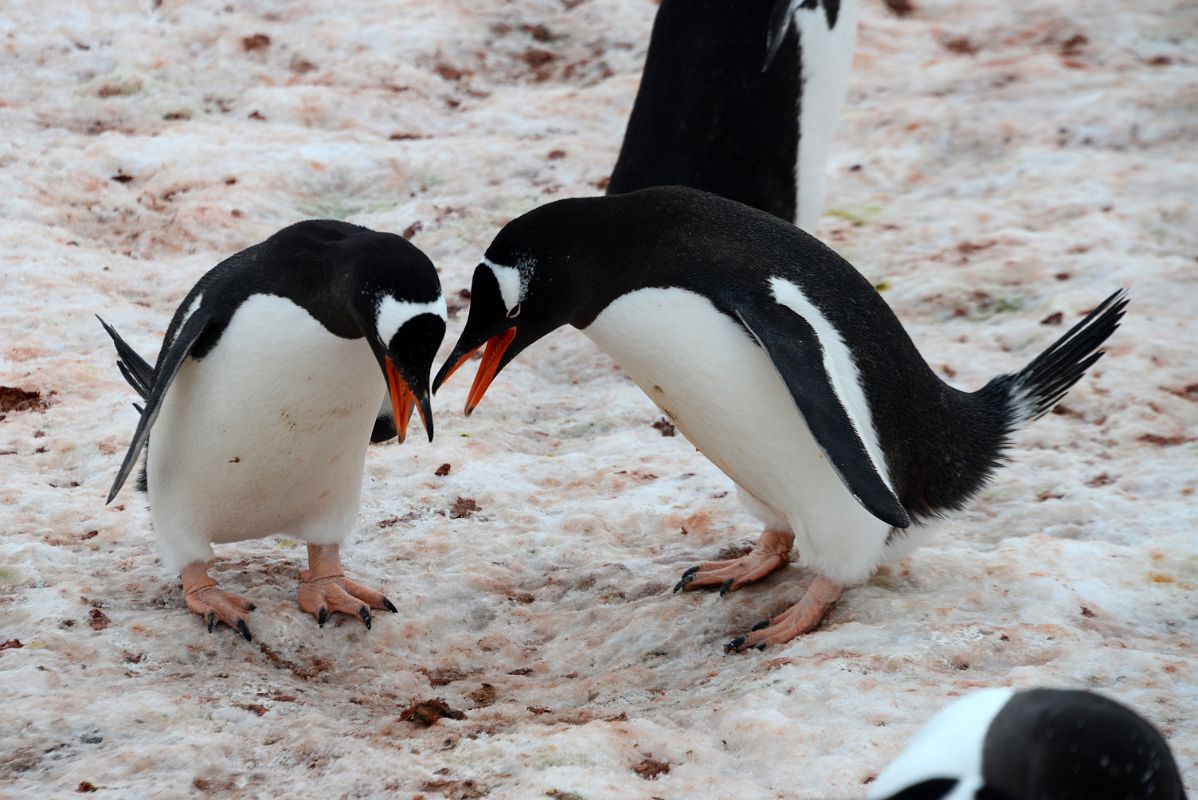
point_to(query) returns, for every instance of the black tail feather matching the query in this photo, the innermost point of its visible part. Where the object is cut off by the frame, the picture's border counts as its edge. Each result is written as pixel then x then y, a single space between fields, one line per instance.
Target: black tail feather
pixel 136 371
pixel 133 379
pixel 1032 392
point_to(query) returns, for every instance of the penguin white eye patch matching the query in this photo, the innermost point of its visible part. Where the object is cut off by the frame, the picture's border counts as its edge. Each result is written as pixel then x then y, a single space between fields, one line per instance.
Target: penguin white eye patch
pixel 392 314
pixel 511 285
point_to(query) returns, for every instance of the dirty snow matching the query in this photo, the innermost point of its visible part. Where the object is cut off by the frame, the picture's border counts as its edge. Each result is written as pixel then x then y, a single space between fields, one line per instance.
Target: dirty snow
pixel 1001 167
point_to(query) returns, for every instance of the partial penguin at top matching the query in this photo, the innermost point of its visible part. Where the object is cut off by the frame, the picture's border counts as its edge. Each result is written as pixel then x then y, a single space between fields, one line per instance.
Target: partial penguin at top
pixel 1035 744
pixel 261 404
pixel 779 361
pixel 741 99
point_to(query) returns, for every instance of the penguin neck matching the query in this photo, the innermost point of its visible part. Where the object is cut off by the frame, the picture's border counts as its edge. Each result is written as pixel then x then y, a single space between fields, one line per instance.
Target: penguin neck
pixel 361 288
pixel 585 259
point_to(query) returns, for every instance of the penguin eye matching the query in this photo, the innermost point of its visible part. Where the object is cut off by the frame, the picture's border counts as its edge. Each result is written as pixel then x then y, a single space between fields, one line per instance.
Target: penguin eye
pixel 515 312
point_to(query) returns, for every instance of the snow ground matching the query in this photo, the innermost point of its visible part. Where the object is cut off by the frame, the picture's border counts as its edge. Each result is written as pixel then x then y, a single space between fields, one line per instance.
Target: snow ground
pixel 998 163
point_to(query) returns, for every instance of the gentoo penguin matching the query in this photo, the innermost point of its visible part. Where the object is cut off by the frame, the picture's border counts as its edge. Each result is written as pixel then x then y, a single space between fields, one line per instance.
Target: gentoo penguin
pixel 778 361
pixel 1039 744
pixel 736 100
pixel 264 397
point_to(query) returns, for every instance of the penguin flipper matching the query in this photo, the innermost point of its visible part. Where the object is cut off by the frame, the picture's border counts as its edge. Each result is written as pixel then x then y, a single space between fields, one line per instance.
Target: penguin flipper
pixel 780 19
pixel 384 425
pixel 136 371
pixel 794 347
pixel 177 352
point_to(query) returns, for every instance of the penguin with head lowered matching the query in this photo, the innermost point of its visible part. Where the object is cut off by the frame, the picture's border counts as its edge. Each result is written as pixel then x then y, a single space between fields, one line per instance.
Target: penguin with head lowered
pixel 264 398
pixel 1038 744
pixel 778 360
pixel 741 99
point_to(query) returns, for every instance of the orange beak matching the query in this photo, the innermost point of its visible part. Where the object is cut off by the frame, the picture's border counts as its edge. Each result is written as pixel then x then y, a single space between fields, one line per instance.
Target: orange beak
pixel 496 347
pixel 457 365
pixel 402 400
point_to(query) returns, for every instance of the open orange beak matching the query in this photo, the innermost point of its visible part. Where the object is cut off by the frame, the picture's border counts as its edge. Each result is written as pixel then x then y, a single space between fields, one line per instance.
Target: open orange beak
pixel 496 346
pixel 402 400
pixel 441 379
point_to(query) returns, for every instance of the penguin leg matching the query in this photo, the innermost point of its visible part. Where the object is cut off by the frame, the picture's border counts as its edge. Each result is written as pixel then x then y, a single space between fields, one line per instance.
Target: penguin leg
pixel 204 597
pixel 803 617
pixel 324 589
pixel 771 552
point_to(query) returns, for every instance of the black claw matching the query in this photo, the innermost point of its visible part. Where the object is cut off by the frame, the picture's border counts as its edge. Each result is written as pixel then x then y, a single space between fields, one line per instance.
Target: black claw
pixel 692 570
pixel 245 630
pixel 387 604
pixel 322 617
pixel 759 646
pixel 211 621
pixel 250 607
pixel 765 623
pixel 364 613
pixel 734 645
pixel 682 584
pixel 726 585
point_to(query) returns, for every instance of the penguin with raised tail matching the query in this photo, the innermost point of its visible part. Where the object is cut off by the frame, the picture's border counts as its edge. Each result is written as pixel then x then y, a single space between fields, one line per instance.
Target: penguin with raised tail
pixel 264 397
pixel 1037 744
pixel 741 99
pixel 779 361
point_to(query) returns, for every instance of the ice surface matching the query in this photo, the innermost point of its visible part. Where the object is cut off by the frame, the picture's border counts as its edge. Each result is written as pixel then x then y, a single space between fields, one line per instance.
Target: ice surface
pixel 999 163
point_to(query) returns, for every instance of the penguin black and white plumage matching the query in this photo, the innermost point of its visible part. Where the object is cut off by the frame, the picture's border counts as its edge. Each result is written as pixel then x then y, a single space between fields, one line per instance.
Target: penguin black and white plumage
pixel 736 100
pixel 1038 744
pixel 778 360
pixel 264 397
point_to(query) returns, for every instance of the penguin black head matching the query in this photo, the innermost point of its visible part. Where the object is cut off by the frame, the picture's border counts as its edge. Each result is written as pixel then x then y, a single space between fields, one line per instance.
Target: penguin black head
pixel 997 744
pixel 407 357
pixel 524 288
pixel 398 305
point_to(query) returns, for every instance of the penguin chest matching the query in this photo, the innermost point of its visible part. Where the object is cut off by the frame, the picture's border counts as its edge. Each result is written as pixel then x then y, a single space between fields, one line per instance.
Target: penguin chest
pixel 724 394
pixel 267 432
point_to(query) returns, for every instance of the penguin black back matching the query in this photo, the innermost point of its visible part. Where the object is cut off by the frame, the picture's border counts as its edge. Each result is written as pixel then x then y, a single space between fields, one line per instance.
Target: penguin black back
pixel 706 114
pixel 316 264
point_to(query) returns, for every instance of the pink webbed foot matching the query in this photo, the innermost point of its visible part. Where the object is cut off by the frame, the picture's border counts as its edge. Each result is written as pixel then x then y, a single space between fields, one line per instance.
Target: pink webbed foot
pixel 803 617
pixel 204 597
pixel 324 589
pixel 772 552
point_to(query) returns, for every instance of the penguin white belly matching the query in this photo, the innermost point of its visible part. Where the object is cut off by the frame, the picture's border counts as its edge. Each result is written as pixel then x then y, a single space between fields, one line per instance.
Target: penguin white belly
pixel 265 434
pixel 827 60
pixel 724 394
